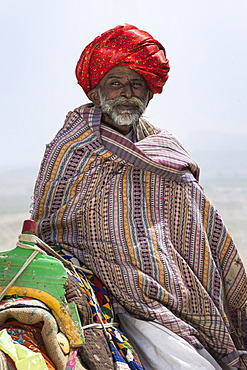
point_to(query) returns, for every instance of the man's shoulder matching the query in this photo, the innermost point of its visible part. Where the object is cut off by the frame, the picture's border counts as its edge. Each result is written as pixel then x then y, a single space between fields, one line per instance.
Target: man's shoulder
pixel 76 114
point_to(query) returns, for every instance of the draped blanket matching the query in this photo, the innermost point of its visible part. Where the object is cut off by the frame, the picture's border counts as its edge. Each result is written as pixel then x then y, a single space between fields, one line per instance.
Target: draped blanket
pixel 137 217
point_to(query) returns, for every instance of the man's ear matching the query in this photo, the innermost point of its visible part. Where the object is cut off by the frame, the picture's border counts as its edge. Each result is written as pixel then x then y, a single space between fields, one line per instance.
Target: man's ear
pixel 150 96
pixel 94 97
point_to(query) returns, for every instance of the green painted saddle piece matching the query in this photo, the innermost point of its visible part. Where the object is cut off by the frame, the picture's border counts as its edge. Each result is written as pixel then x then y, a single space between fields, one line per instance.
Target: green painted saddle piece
pixel 45 274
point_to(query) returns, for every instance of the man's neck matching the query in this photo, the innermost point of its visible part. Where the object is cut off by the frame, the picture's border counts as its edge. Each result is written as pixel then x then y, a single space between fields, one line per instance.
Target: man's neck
pixel 124 130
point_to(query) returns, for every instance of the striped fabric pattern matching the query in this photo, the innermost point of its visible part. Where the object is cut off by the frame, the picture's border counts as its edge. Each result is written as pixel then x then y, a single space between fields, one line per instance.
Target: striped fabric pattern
pixel 137 217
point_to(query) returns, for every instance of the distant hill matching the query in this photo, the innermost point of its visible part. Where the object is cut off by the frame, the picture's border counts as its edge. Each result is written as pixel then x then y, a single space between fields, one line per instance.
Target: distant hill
pixel 214 141
pixel 219 155
pixel 16 189
pixel 221 165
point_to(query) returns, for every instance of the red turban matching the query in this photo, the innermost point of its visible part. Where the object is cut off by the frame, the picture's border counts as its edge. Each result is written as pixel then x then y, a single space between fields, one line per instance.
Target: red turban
pixel 123 45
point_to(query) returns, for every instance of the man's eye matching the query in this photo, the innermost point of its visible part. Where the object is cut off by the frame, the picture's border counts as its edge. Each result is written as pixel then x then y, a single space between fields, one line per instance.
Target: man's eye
pixel 115 83
pixel 137 84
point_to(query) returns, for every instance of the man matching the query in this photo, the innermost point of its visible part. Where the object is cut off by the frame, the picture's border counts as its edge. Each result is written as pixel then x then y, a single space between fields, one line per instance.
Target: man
pixel 123 197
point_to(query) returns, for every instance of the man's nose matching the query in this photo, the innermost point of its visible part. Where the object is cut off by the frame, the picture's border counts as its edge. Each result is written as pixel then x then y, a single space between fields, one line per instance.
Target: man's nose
pixel 127 90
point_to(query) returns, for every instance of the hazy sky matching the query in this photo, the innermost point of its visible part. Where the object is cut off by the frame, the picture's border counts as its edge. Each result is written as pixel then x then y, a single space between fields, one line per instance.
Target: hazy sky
pixel 41 42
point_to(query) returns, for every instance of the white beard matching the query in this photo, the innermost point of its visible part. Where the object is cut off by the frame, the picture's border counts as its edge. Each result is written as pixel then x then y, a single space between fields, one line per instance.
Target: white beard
pixel 127 117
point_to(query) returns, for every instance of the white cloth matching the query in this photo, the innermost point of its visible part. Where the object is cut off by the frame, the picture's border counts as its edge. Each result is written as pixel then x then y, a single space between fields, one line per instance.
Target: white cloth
pixel 159 348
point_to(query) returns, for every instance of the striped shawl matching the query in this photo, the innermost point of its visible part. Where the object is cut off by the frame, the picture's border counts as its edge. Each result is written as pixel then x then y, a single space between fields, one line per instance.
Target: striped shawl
pixel 137 217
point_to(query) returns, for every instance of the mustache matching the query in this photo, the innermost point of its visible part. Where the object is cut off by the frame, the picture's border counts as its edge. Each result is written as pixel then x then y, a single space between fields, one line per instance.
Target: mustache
pixel 121 100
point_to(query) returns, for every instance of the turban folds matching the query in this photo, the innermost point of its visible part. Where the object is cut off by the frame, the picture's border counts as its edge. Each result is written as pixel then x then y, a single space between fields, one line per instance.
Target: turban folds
pixel 123 45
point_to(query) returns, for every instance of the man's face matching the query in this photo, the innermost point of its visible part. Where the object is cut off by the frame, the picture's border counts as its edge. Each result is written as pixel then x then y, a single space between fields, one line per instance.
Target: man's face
pixel 123 96
pixel 122 81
